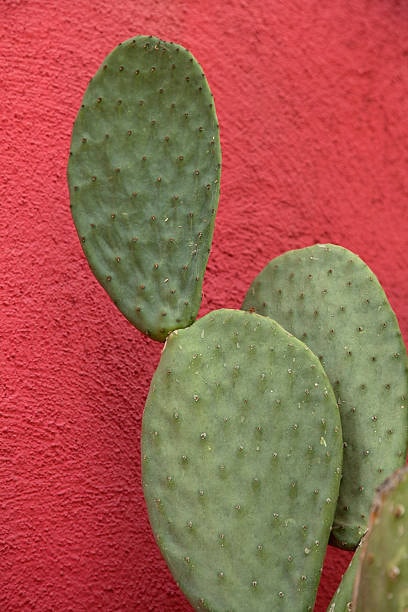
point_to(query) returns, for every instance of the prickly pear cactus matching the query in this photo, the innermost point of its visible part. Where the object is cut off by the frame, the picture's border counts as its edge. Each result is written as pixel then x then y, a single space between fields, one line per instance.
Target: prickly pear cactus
pixel 342 599
pixel 143 175
pixel 326 296
pixel 242 454
pixel 382 576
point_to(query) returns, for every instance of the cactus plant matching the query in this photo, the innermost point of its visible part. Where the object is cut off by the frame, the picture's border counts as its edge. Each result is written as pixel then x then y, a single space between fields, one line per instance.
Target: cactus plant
pixel 143 175
pixel 342 598
pixel 242 437
pixel 332 301
pixel 382 576
pixel 242 455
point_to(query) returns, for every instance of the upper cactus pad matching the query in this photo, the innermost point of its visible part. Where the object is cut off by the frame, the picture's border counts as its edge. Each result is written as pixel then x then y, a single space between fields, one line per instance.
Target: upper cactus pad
pixel 242 452
pixel 327 296
pixel 143 175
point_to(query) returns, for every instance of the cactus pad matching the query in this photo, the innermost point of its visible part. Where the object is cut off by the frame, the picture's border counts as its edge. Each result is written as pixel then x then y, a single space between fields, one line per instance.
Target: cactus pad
pixel 382 576
pixel 341 600
pixel 327 297
pixel 143 175
pixel 242 453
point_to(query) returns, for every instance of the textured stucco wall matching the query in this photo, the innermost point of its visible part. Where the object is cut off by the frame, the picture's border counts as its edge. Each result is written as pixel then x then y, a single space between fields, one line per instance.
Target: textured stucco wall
pixel 312 98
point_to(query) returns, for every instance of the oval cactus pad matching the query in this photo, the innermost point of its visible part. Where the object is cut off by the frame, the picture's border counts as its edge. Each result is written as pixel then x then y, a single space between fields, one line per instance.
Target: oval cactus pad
pixel 242 456
pixel 329 298
pixel 144 180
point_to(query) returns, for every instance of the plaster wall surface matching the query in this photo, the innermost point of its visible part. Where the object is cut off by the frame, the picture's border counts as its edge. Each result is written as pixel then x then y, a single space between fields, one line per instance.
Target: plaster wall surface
pixel 312 100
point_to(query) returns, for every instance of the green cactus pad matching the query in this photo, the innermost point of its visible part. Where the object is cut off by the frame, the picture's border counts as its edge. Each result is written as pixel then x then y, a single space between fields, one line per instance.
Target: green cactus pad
pixel 327 297
pixel 341 600
pixel 143 175
pixel 242 455
pixel 382 575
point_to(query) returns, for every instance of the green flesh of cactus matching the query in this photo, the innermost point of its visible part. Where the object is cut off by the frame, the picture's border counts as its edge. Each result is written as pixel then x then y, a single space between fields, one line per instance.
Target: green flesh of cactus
pixel 143 175
pixel 341 601
pixel 242 456
pixel 327 297
pixel 382 575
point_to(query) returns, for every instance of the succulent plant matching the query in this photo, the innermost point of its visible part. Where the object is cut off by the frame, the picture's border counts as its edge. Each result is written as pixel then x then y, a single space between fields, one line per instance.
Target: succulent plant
pixel 245 425
pixel 377 576
pixel 382 574
pixel 342 598
pixel 242 456
pixel 144 178
pixel 329 298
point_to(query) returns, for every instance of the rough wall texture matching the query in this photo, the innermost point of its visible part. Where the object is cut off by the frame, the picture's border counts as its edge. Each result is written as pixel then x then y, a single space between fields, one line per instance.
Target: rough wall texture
pixel 312 98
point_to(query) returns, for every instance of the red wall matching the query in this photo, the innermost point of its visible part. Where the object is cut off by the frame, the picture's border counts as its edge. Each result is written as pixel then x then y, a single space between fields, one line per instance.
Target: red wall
pixel 312 98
